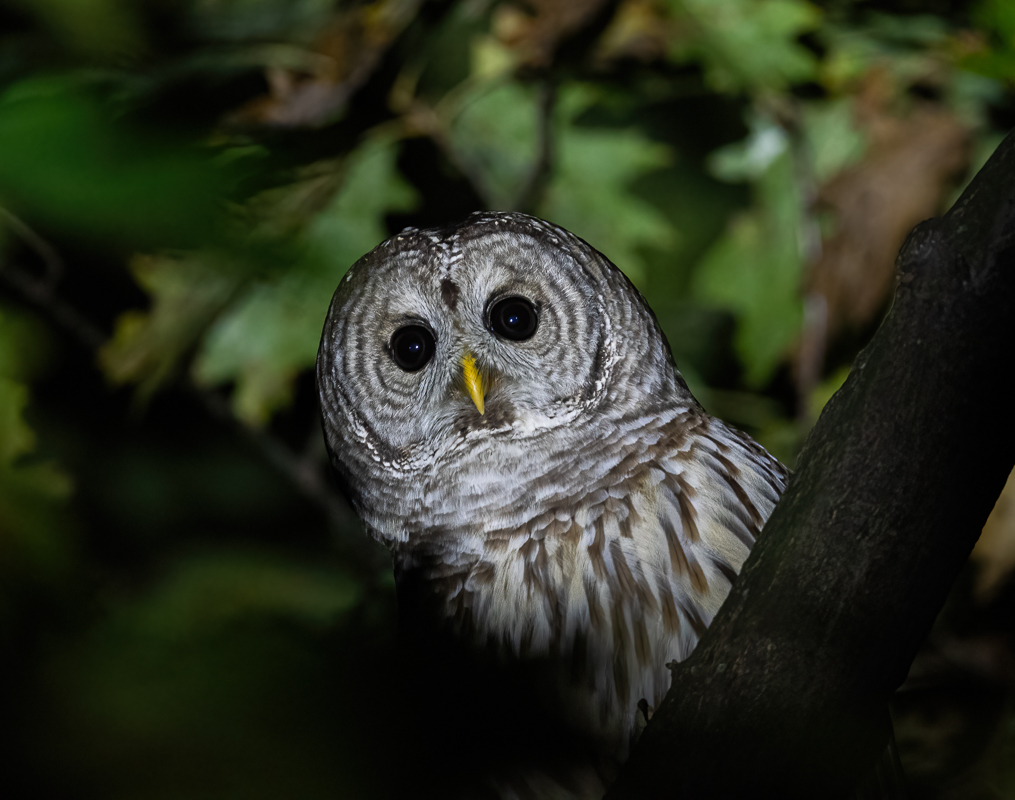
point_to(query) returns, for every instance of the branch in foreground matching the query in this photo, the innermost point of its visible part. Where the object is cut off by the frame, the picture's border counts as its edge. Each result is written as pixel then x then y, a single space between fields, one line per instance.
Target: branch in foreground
pixel 785 695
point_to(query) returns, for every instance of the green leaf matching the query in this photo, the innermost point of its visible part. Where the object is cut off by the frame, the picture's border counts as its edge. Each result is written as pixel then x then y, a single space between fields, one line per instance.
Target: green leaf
pixel 908 47
pixel 746 44
pixel 270 20
pixel 997 16
pixel 272 330
pixel 755 272
pixel 16 438
pixel 823 391
pixel 590 186
pixel 204 592
pixel 751 158
pixel 494 137
pixel 591 192
pixel 95 27
pixel 24 345
pixel 211 681
pixel 187 291
pixel 32 494
pixel 834 141
pixel 66 162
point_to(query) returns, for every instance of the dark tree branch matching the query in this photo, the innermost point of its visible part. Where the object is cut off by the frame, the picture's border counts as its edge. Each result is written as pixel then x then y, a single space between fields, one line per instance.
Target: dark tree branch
pixel 41 291
pixel 785 695
pixel 542 166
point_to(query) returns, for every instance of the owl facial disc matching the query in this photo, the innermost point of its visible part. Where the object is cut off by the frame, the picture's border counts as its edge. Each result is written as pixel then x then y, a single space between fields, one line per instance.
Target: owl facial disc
pixel 481 336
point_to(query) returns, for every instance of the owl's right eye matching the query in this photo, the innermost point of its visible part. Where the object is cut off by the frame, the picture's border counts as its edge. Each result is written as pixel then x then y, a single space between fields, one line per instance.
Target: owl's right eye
pixel 412 347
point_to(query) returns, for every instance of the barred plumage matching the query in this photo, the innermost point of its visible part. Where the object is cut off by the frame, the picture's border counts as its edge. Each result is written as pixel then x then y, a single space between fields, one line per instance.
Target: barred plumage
pixel 593 515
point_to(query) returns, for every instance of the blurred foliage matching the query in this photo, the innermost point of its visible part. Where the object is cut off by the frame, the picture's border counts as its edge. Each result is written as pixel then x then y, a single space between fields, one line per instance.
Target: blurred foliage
pixel 187 606
pixel 71 167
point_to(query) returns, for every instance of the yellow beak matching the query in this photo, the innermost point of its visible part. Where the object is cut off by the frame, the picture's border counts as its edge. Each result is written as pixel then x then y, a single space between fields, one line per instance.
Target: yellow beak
pixel 473 381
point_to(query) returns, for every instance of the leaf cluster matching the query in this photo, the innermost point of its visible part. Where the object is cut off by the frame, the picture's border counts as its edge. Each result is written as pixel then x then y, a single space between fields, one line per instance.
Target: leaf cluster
pixel 183 183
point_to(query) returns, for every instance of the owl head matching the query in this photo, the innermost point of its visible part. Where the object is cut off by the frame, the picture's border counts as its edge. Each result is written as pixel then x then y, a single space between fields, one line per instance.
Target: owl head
pixel 496 341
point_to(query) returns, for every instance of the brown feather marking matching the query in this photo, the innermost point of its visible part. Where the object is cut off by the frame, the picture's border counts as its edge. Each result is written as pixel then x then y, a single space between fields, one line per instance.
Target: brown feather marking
pixel 625 580
pixel 671 619
pixel 625 527
pixel 535 575
pixel 553 601
pixel 596 550
pixel 495 544
pixel 542 522
pixel 625 511
pixel 566 551
pixel 631 518
pixel 692 615
pixel 633 514
pixel 678 559
pixel 687 512
pixel 743 518
pixel 597 619
pixel 698 580
pixel 721 445
pixel 573 535
pixel 449 293
pixel 530 578
pixel 482 574
pixel 646 599
pixel 629 584
pixel 730 475
pixel 683 563
pixel 773 472
pixel 727 571
pixel 676 435
pixel 642 645
pixel 630 464
pixel 542 559
pixel 561 528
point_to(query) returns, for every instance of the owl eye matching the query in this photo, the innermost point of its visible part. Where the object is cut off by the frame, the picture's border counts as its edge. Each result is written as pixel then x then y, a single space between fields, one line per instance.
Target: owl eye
pixel 514 318
pixel 412 347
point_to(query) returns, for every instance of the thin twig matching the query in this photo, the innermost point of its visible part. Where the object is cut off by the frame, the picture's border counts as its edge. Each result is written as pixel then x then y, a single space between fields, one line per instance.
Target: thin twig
pixel 48 254
pixel 542 166
pixel 303 472
pixel 37 292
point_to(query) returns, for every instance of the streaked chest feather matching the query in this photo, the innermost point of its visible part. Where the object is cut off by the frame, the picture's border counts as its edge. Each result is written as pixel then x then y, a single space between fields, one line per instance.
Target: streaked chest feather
pixel 611 581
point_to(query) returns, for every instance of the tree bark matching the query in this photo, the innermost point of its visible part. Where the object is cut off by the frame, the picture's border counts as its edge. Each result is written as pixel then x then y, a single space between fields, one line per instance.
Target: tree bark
pixel 785 695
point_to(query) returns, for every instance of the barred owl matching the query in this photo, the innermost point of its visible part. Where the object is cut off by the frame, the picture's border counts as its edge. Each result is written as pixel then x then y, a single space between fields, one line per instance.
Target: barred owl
pixel 506 415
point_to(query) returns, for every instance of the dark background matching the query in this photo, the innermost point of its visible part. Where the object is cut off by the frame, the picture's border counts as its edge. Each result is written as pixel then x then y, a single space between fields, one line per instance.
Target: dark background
pixel 187 607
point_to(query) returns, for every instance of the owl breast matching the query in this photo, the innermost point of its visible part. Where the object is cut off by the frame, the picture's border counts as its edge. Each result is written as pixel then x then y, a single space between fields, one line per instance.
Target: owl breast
pixel 608 558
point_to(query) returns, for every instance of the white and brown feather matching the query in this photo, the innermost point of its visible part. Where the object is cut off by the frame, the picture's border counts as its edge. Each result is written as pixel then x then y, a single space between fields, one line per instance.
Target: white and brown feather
pixel 595 516
pixel 630 569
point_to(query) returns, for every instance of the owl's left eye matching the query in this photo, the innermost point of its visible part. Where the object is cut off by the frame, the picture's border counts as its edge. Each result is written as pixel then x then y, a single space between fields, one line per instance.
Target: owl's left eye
pixel 412 347
pixel 514 318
